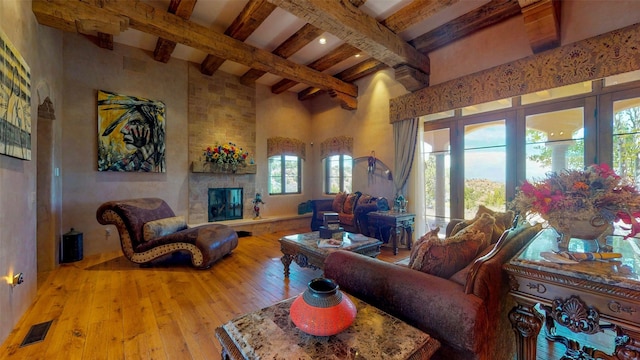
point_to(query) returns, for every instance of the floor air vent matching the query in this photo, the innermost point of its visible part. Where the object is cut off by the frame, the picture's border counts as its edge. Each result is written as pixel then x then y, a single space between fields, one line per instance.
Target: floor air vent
pixel 36 333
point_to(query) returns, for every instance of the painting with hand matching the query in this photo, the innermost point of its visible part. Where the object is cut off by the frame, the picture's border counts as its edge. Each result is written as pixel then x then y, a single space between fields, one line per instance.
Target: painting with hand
pixel 131 133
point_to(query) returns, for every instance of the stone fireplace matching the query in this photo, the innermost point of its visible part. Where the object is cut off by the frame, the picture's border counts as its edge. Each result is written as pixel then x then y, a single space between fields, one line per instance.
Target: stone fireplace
pixel 199 190
pixel 225 204
pixel 221 110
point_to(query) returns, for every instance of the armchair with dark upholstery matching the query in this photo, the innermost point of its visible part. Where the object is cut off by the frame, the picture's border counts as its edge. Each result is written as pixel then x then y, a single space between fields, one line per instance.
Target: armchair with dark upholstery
pixel 145 238
pixel 355 220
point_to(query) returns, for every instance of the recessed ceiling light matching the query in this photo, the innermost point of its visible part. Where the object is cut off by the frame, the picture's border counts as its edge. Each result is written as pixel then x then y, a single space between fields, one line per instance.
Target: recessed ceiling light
pixel 322 41
pixel 357 55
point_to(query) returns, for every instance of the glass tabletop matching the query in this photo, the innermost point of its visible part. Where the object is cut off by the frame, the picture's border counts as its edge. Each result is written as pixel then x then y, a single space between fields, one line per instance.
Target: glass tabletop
pixel 623 271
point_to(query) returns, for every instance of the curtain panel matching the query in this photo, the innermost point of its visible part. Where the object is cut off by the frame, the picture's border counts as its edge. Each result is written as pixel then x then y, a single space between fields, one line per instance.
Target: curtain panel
pixel 339 145
pixel 286 146
pixel 405 137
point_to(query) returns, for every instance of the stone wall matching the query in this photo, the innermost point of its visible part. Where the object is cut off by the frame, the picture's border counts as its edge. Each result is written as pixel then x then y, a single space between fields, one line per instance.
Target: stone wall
pixel 221 110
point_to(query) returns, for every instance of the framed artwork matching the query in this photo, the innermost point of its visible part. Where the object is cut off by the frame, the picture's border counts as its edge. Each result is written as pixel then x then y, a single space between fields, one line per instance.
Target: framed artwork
pixel 131 133
pixel 15 102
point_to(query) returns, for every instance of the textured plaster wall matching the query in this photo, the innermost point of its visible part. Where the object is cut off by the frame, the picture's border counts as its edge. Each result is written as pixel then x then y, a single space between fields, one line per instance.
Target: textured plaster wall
pixel 508 40
pixel 129 71
pixel 368 125
pixel 39 46
pixel 283 115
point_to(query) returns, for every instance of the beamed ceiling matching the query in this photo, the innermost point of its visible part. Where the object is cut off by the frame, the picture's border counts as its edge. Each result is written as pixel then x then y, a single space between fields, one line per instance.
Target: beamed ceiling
pixel 276 42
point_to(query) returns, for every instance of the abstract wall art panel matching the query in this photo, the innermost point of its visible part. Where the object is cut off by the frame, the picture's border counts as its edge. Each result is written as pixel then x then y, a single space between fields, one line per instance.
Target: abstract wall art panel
pixel 15 102
pixel 131 133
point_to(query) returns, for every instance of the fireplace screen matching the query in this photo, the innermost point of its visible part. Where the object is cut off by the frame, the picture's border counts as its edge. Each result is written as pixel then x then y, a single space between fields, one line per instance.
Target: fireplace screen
pixel 225 204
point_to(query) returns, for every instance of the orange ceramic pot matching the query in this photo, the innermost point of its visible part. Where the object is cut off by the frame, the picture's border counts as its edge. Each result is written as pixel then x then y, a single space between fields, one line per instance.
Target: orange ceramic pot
pixel 323 309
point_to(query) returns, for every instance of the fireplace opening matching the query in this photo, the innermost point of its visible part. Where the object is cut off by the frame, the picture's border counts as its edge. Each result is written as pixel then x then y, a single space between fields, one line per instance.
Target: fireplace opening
pixel 225 204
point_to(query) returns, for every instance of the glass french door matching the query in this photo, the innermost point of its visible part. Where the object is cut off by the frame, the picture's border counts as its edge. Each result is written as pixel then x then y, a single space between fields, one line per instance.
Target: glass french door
pixel 554 141
pixel 485 161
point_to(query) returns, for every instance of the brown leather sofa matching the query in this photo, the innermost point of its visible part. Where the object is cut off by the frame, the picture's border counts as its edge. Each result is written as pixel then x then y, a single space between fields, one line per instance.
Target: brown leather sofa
pixel 144 237
pixel 352 210
pixel 467 313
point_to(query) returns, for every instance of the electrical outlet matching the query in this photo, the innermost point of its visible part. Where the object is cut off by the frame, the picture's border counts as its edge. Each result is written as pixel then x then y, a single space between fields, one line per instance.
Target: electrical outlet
pixel 107 231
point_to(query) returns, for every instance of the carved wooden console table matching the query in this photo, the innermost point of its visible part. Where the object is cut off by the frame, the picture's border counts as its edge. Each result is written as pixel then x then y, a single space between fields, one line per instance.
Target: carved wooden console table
pixel 399 224
pixel 591 299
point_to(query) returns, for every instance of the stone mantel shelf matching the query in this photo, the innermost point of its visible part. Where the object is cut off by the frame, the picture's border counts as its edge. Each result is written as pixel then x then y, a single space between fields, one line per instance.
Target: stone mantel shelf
pixel 205 167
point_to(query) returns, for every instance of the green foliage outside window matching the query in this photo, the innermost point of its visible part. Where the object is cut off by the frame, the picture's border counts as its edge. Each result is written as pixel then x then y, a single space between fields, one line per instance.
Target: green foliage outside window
pixel 285 175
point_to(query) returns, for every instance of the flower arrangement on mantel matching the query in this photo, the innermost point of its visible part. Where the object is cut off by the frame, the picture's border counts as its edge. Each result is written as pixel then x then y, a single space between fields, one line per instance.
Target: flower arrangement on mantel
pixel 596 194
pixel 226 155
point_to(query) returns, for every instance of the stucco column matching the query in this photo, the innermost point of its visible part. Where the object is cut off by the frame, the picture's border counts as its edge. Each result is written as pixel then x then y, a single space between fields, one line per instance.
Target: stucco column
pixel 559 155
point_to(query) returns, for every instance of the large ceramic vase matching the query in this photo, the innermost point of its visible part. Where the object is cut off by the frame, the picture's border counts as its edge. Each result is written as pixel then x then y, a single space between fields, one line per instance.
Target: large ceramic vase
pixel 322 309
pixel 595 229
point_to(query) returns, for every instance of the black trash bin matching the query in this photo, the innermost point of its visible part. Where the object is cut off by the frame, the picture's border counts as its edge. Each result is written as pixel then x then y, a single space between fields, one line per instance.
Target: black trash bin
pixel 71 247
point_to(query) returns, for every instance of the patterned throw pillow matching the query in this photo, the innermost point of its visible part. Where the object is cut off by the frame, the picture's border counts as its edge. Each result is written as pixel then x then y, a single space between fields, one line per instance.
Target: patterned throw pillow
pixel 350 203
pixel 338 202
pixel 364 199
pixel 162 227
pixel 503 222
pixel 444 258
pixel 424 238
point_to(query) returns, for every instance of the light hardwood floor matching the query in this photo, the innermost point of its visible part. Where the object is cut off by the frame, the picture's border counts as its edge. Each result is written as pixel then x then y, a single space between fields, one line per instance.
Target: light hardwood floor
pixel 105 307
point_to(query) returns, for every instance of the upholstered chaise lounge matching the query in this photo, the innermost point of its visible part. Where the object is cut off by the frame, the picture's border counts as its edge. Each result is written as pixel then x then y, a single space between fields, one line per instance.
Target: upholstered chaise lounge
pixel 149 229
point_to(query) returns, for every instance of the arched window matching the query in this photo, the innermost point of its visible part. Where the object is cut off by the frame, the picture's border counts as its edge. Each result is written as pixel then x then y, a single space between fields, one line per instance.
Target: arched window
pixel 285 157
pixel 337 164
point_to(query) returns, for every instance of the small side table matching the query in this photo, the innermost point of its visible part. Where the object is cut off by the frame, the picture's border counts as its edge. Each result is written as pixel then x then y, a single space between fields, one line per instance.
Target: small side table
pixel 597 301
pixel 399 224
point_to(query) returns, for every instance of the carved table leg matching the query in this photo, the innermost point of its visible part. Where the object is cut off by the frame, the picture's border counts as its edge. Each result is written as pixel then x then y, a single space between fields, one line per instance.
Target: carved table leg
pixel 286 261
pixel 409 230
pixel 526 324
pixel 396 237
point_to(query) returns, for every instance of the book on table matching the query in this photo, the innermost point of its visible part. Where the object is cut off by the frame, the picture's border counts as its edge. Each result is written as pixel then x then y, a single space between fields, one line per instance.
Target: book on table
pixel 357 237
pixel 329 243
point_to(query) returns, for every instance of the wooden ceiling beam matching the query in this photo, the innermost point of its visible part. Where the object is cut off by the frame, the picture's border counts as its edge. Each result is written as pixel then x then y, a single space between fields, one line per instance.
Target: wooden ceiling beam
pixel 164 48
pixel 105 41
pixel 338 55
pixel 346 102
pixel 414 13
pixel 489 14
pixel 411 78
pixel 292 45
pixel 542 23
pixel 361 70
pixel 253 14
pixel 63 14
pixel 351 74
pixel 310 93
pixel 348 23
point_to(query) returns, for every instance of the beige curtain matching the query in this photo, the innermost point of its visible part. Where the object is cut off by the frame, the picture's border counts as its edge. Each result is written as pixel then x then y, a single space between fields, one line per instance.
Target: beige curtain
pixel 286 146
pixel 405 136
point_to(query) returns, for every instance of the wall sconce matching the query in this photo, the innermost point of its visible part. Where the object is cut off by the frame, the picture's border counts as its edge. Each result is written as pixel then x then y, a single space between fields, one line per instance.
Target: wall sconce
pixel 18 279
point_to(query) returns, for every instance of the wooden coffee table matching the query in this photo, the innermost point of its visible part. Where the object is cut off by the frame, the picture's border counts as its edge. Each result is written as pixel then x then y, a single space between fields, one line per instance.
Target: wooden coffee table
pixel 270 334
pixel 304 250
